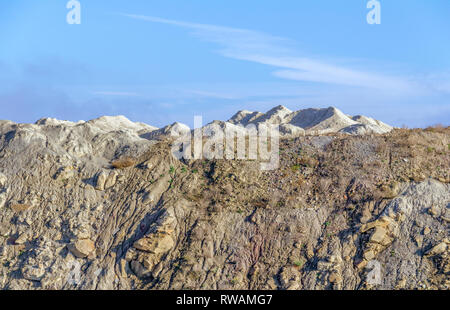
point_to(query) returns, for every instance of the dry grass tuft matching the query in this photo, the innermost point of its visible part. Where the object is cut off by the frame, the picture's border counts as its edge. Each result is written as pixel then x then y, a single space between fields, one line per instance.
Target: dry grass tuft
pixel 123 163
pixel 20 207
pixel 437 128
pixel 306 161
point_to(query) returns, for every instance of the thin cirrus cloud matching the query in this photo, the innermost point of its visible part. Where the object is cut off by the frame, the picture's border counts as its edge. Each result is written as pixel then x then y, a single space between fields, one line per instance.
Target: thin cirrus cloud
pixel 116 93
pixel 208 94
pixel 258 47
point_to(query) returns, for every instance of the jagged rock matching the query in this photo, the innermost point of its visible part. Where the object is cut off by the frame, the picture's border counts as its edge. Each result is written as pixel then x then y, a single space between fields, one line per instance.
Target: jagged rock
pixel 167 222
pixel 335 277
pixel 289 278
pixel 435 211
pixel 83 232
pixel 152 248
pixel 335 259
pixel 156 243
pixel 105 180
pixel 445 219
pixel 82 248
pixel 365 216
pixel 369 255
pixel 362 264
pixel 33 273
pixel 437 249
pixel 385 230
pixel 65 173
pixel 289 130
pixel 139 270
pixel 100 180
pixel 293 286
pixel 379 235
pixel 401 284
pixel 324 265
pixel 383 222
pixel 111 179
pixel 21 239
pixel 419 241
pixel 363 129
pixel 390 190
pixel 2 199
pixel 3 180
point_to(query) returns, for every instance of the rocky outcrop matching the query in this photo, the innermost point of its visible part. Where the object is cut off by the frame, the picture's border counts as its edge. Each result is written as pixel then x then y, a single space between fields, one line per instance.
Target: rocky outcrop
pixel 3 180
pixel 105 180
pixel 312 121
pixel 383 233
pixel 340 212
pixel 82 248
pixel 291 123
pixel 147 252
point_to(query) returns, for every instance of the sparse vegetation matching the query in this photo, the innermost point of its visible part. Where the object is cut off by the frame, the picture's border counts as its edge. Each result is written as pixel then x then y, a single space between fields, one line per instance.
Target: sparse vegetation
pixel 307 161
pixel 439 128
pixel 295 168
pixel 234 281
pixel 299 263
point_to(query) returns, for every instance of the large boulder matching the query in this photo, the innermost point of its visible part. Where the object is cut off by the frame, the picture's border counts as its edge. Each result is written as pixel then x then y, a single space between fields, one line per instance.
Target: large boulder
pixel 156 244
pixel 82 248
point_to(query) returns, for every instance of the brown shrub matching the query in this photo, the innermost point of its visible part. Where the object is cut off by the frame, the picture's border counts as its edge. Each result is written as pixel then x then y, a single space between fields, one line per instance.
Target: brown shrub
pixel 20 207
pixel 123 163
pixel 307 161
pixel 436 128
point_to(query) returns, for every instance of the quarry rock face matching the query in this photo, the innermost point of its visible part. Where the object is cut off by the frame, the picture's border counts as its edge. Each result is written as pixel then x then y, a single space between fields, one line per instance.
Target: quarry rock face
pixel 313 121
pixel 103 204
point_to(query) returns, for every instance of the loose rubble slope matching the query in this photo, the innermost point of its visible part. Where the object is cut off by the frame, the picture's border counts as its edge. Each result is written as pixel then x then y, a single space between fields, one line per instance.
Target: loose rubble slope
pixel 92 205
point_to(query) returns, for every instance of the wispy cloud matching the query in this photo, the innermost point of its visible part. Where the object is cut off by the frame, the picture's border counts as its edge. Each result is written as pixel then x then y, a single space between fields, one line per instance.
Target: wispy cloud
pixel 209 94
pixel 274 51
pixel 232 40
pixel 115 93
pixel 439 82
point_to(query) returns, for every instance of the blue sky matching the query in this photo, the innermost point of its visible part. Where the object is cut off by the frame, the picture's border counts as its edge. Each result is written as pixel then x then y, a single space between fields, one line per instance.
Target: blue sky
pixel 165 61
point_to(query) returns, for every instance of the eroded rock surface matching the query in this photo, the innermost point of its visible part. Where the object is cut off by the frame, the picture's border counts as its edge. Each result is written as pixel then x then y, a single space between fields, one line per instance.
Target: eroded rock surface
pixel 341 212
